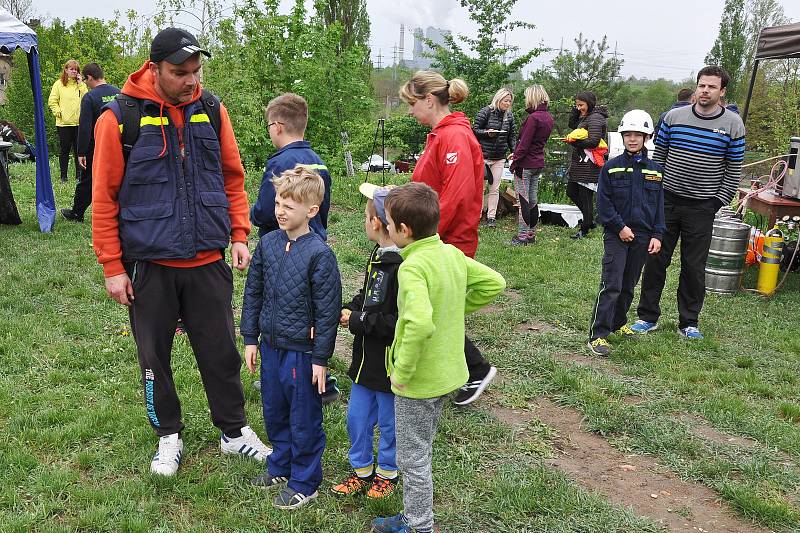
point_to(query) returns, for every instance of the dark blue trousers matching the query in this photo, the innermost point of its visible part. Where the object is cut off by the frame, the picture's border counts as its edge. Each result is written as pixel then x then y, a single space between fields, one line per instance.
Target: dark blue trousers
pixel 293 418
pixel 622 266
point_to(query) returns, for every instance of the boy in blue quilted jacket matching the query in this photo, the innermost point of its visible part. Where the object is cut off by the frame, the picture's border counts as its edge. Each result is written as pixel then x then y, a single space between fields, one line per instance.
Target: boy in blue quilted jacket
pixel 292 301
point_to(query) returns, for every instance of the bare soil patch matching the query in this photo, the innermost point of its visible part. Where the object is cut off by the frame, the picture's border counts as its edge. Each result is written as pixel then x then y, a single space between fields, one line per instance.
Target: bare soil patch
pixel 534 326
pixel 490 309
pixel 700 427
pixel 591 361
pixel 634 481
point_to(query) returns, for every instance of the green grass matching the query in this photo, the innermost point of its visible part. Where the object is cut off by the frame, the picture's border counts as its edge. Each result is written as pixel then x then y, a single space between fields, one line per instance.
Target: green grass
pixel 75 444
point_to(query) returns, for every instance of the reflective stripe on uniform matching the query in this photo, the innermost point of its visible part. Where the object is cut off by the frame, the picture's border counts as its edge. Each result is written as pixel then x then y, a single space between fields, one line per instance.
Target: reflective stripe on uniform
pixel 153 121
pixel 199 117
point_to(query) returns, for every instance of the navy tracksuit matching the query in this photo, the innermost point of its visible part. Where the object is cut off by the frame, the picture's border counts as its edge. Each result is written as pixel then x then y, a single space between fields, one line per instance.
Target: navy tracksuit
pixel 293 418
pixel 629 193
pixel 292 301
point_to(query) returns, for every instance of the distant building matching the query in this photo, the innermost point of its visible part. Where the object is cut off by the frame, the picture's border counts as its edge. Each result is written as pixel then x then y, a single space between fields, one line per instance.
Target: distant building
pixel 420 62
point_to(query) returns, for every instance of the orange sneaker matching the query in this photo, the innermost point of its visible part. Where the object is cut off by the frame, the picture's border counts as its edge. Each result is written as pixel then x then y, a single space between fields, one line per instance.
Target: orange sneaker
pixel 381 487
pixel 352 485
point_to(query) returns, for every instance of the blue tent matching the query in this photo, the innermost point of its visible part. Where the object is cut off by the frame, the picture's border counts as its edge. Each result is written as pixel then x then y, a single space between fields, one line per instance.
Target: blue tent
pixel 14 34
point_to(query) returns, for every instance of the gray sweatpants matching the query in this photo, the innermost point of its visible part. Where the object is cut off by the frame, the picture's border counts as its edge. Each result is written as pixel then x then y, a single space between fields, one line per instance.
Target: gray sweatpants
pixel 415 426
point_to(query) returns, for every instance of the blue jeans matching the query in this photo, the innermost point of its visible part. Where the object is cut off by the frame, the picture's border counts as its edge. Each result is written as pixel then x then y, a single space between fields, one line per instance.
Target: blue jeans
pixel 368 408
pixel 293 418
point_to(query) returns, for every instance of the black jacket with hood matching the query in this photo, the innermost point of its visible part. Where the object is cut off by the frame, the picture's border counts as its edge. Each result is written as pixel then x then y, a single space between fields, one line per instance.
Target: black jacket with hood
pixel 374 315
pixel 581 167
pixel 499 146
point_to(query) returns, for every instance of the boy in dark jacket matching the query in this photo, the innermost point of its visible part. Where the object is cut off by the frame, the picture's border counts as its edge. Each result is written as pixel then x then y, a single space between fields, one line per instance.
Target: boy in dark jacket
pixel 292 299
pixel 630 206
pixel 287 118
pixel 371 317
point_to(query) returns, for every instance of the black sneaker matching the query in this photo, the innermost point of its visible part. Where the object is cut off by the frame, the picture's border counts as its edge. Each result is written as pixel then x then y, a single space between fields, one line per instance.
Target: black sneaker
pixel 332 392
pixel 69 214
pixel 265 480
pixel 599 347
pixel 289 499
pixel 472 390
pixel 580 234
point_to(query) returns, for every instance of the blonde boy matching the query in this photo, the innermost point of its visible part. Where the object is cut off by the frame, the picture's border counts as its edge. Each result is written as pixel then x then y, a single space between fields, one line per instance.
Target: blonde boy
pixel 292 300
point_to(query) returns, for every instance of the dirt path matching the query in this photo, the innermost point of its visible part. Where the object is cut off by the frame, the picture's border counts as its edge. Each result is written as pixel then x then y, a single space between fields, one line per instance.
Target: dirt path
pixel 635 481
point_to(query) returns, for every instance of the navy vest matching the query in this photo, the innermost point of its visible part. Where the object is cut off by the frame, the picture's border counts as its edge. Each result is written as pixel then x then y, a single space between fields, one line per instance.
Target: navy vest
pixel 172 207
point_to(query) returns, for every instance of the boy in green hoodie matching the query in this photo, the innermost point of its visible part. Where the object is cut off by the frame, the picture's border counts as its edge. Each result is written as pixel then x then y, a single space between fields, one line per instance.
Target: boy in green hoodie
pixel 438 284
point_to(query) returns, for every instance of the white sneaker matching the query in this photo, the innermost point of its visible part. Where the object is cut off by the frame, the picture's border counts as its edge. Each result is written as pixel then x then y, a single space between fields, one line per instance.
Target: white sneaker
pixel 168 457
pixel 248 445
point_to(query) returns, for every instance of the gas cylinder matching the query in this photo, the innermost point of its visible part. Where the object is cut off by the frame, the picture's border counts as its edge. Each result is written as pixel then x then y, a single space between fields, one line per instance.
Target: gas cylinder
pixel 769 269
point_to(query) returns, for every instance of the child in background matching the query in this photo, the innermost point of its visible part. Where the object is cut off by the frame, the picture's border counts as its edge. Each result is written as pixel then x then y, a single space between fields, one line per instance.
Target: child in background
pixel 292 300
pixel 287 118
pixel 438 284
pixel 371 317
pixel 630 206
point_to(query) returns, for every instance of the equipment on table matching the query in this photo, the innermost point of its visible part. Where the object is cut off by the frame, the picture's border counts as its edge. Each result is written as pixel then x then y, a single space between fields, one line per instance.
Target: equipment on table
pixel 770 265
pixel 791 181
pixel 726 256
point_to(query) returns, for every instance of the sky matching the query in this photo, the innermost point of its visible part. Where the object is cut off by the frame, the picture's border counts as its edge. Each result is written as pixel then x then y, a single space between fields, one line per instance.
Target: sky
pixel 656 39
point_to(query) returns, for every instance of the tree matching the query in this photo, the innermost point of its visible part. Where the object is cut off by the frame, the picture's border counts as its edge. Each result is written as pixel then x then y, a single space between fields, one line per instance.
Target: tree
pixel 118 48
pixel 485 67
pixel 728 49
pixel 589 68
pixel 351 15
pixel 260 53
pixel 199 16
pixel 21 9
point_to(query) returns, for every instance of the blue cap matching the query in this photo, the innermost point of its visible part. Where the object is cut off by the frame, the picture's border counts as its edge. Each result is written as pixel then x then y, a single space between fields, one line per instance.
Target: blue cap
pixel 378 196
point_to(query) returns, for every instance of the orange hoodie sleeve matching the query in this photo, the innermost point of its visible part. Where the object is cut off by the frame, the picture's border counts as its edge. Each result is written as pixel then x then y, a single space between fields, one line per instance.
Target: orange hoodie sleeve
pixel 107 171
pixel 233 172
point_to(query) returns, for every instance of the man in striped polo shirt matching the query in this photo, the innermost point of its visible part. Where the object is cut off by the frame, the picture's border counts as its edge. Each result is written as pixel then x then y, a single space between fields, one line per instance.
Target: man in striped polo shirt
pixel 701 148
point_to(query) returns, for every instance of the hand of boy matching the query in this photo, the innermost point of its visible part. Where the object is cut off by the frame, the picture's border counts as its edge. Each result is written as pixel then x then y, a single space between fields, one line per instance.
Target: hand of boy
pixel 626 234
pixel 344 319
pixel 655 246
pixel 318 377
pixel 251 357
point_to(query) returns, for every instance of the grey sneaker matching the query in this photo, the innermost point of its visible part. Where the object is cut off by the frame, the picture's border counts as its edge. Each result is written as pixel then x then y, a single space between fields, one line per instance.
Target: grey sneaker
pixel 267 481
pixel 289 499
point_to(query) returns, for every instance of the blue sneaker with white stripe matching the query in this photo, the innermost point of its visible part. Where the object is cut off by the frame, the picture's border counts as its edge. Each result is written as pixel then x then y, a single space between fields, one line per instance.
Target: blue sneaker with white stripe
pixel 643 326
pixel 168 456
pixel 248 445
pixel 690 332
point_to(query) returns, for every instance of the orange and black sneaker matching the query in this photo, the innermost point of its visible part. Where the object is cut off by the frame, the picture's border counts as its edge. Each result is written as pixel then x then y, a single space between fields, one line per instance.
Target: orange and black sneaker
pixel 352 485
pixel 381 487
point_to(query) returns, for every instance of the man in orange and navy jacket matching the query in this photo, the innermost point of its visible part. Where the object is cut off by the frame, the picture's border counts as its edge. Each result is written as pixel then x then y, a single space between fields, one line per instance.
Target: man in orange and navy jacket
pixel 163 215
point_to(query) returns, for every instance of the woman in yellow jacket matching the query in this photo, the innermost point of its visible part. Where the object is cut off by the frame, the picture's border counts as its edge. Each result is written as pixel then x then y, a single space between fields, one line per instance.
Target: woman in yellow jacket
pixel 65 102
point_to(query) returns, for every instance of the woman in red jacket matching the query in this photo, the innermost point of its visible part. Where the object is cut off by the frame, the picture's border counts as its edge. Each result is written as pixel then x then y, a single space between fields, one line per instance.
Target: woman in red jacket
pixel 452 165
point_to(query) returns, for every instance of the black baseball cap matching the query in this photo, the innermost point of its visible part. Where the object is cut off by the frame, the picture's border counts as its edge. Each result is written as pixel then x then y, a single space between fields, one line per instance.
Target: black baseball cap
pixel 174 45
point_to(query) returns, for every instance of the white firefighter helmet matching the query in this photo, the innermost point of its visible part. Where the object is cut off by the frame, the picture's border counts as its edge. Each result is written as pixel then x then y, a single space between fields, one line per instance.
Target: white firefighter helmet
pixel 636 120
